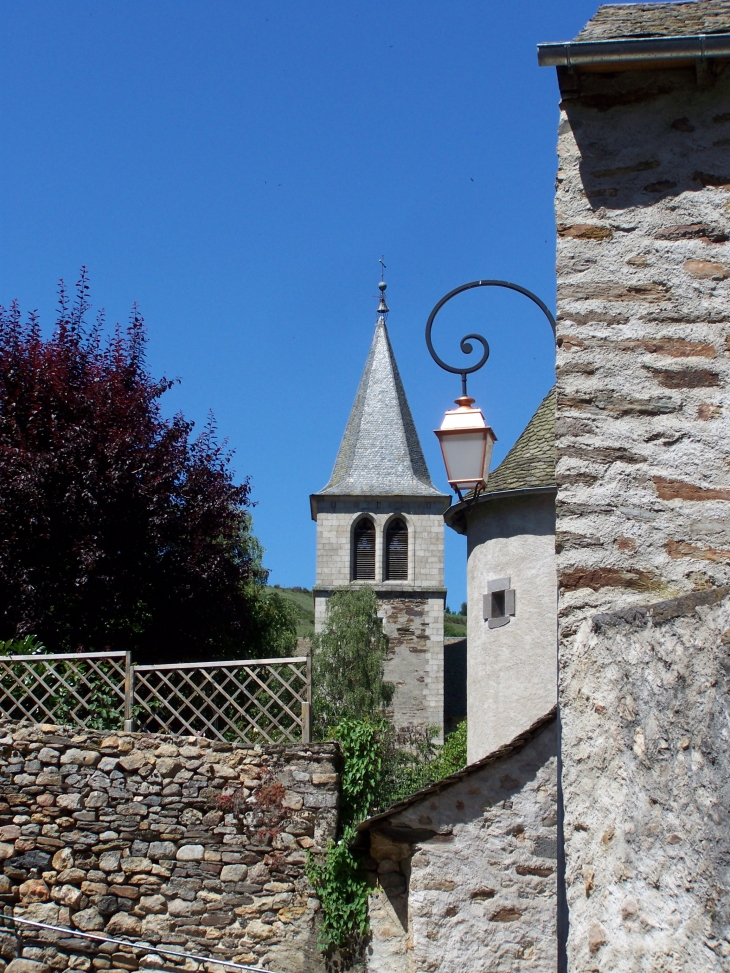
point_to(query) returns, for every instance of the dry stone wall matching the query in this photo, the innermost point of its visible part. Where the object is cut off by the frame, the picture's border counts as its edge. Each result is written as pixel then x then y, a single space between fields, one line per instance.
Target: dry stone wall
pixel 643 534
pixel 175 841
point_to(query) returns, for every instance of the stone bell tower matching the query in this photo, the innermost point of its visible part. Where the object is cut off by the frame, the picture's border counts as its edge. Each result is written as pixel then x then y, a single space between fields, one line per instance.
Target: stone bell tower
pixel 380 523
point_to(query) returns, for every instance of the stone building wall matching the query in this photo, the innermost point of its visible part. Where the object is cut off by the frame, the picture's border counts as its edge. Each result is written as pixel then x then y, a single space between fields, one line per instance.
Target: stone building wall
pixel 643 215
pixel 177 841
pixel 337 517
pixel 415 661
pixel 412 610
pixel 466 874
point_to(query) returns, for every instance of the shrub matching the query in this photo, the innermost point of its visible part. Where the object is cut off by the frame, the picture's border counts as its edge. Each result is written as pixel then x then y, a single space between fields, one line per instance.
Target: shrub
pixel 347 661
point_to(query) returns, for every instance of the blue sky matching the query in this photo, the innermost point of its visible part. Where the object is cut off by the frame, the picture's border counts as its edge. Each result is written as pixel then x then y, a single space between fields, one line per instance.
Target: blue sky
pixel 238 168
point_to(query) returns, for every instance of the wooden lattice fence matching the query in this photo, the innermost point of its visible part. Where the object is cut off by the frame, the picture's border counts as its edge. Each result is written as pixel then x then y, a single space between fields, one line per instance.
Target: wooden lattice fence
pixel 251 701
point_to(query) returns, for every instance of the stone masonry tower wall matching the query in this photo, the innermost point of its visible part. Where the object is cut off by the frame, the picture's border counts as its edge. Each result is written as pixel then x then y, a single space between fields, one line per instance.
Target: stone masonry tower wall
pixel 643 532
pixel 380 475
pixel 412 611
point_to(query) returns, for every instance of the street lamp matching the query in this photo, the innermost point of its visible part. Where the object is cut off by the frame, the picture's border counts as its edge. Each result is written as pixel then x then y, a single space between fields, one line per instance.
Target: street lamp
pixel 465 438
pixel 466 444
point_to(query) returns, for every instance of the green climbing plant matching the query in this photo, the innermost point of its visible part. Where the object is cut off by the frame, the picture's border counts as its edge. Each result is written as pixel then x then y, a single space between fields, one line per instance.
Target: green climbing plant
pixel 378 769
pixel 339 880
pixel 338 876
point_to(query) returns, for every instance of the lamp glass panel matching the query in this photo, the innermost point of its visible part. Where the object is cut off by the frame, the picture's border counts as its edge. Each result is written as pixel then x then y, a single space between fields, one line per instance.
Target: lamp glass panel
pixel 464 456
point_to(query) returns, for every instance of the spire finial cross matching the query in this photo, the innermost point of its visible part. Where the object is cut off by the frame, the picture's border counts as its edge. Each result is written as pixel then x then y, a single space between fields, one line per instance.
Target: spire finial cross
pixel 382 307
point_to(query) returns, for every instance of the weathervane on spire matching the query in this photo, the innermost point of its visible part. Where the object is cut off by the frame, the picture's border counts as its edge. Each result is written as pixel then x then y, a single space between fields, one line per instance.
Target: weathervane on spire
pixel 382 286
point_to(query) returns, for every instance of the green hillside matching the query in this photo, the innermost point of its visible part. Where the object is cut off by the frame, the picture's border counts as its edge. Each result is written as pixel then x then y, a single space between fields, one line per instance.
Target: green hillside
pixel 304 603
pixel 454 625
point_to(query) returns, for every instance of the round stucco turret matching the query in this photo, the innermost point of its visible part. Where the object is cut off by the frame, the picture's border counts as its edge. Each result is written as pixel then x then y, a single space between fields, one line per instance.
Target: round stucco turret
pixel 512 589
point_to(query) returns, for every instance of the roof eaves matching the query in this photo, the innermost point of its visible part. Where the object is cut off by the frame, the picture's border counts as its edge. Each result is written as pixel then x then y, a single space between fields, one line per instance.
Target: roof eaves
pixel 455 515
pixel 634 52
pixel 508 750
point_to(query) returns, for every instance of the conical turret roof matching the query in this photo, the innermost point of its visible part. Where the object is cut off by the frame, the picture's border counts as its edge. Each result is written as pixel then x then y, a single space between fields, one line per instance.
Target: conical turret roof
pixel 531 461
pixel 380 453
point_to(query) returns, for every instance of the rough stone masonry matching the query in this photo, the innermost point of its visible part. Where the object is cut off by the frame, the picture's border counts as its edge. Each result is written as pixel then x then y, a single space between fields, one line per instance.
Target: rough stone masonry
pixel 174 841
pixel 643 529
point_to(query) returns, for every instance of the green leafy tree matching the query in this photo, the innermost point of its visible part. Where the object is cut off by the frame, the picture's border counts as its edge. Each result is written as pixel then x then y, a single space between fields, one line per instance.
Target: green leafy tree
pixel 451 756
pixel 272 624
pixel 347 661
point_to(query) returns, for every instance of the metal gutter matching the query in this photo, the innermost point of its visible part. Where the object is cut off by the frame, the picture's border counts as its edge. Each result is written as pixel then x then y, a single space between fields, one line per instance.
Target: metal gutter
pixel 634 50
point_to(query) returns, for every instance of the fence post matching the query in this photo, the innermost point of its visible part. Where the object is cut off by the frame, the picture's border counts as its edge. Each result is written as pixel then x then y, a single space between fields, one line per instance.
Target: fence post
pixel 128 692
pixel 307 706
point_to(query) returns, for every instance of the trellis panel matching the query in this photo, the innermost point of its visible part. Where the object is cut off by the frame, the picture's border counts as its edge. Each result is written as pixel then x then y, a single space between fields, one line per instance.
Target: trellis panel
pixel 253 701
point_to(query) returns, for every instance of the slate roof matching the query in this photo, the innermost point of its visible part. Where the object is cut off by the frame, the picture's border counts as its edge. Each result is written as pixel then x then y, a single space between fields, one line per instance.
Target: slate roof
pixel 616 21
pixel 380 453
pixel 507 750
pixel 531 461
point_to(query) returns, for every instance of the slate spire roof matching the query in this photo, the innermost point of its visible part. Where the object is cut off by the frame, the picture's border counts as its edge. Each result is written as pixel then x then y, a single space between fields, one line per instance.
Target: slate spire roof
pixel 380 453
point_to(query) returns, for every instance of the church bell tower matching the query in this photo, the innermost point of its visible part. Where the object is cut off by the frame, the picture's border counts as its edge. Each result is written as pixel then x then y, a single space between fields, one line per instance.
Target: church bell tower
pixel 380 523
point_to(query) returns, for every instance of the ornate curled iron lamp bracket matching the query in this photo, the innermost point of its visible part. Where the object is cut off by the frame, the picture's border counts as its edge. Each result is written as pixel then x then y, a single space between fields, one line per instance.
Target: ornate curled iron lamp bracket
pixel 464 344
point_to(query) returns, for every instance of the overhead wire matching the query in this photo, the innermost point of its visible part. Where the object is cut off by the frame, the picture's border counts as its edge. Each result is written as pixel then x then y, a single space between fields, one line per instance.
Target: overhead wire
pixel 140 947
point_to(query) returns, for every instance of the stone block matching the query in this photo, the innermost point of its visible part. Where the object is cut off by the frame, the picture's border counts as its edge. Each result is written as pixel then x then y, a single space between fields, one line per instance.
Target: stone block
pixel 258 931
pixel 162 850
pixel 34 890
pixel 71 876
pixel 83 758
pixel 69 896
pixel 155 904
pixel 70 802
pixel 109 861
pixel 123 924
pixel 190 853
pixel 133 761
pixel 87 920
pixel 26 966
pixel 233 873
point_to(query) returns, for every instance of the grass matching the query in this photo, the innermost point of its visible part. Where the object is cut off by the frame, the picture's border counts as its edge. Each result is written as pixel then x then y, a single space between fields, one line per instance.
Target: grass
pixel 303 601
pixel 454 625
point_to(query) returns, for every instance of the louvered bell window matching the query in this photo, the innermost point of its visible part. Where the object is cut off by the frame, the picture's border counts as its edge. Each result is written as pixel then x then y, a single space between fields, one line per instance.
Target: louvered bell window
pixel 364 559
pixel 396 551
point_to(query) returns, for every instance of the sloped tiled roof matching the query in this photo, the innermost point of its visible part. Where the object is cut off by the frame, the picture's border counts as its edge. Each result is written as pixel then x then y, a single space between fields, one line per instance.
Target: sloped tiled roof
pixel 503 752
pixel 380 453
pixel 616 21
pixel 531 461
